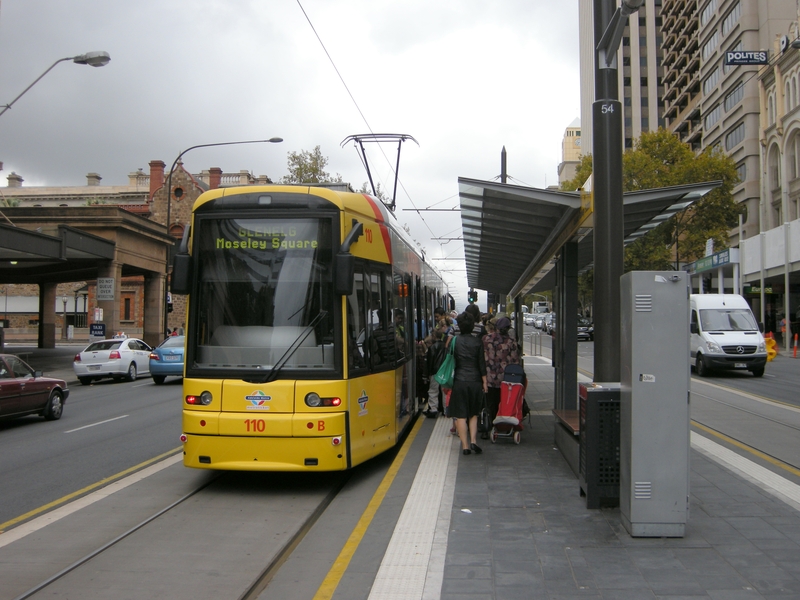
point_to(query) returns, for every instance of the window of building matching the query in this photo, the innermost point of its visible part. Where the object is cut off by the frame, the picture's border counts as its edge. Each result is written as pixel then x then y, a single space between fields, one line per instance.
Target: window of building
pixel 731 18
pixel 127 313
pixel 735 137
pixel 710 46
pixel 713 116
pixel 734 97
pixel 775 172
pixel 771 108
pixel 711 82
pixel 741 169
pixel 708 12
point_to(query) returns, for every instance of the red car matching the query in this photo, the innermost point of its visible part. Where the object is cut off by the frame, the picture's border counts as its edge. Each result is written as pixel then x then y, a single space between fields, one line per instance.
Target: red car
pixel 24 391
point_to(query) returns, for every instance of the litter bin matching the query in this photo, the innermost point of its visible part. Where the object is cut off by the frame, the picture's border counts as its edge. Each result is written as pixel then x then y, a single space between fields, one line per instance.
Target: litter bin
pixel 599 473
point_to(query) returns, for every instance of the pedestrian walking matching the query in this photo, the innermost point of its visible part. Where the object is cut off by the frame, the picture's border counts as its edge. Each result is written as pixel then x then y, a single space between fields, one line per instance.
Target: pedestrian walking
pixel 500 351
pixel 469 385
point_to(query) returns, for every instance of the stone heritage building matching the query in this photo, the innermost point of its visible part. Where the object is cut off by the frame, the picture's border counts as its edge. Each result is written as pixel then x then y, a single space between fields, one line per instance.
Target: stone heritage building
pixel 146 196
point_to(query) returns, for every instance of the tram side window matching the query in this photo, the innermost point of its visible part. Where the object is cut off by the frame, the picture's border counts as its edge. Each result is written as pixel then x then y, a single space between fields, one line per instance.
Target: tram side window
pixel 403 325
pixel 380 331
pixel 356 324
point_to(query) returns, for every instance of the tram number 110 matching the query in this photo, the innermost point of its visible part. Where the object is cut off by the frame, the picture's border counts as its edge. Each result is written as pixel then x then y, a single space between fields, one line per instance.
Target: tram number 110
pixel 257 425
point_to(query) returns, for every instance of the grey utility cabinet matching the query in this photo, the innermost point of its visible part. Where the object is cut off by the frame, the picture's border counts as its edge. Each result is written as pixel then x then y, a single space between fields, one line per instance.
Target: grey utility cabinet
pixel 654 403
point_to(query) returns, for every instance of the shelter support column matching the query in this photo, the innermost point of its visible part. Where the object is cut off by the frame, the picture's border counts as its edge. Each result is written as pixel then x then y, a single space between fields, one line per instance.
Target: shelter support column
pixel 109 276
pixel 47 315
pixel 566 342
pixel 154 298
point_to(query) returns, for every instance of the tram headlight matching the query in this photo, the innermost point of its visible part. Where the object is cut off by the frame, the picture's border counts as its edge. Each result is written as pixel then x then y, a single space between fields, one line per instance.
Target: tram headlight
pixel 203 399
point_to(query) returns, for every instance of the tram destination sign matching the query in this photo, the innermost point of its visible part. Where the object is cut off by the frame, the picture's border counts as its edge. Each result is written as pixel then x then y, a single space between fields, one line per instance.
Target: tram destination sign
pixel 747 57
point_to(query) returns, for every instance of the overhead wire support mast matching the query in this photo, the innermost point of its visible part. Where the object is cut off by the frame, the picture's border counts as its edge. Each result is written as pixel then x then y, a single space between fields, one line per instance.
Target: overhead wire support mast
pixel 361 138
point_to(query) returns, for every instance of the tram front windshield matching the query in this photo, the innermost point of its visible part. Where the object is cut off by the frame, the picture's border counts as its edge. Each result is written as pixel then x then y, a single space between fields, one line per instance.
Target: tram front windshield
pixel 264 296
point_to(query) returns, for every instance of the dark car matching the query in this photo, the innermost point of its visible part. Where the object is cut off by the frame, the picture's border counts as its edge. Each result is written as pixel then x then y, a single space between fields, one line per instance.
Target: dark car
pixel 585 329
pixel 166 360
pixel 24 391
pixel 549 324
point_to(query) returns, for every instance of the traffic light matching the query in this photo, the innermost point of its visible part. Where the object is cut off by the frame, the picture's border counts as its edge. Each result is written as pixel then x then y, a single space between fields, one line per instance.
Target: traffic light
pixel 472 296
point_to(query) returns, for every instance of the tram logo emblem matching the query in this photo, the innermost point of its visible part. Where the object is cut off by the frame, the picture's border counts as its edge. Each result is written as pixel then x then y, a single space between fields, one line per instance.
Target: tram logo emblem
pixel 258 401
pixel 362 402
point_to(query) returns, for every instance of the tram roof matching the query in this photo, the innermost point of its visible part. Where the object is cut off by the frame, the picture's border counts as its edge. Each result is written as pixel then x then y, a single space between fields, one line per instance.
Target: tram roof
pixel 512 234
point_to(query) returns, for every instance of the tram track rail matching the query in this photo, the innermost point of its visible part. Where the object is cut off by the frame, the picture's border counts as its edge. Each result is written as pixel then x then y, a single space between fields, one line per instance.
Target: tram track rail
pixel 85 559
pixel 252 588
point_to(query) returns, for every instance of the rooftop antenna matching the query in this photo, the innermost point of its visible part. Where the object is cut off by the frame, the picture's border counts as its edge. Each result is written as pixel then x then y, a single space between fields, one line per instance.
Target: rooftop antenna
pixel 361 138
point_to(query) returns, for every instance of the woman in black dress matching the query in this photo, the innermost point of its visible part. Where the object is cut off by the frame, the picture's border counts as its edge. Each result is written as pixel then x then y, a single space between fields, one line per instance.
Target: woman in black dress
pixel 469 383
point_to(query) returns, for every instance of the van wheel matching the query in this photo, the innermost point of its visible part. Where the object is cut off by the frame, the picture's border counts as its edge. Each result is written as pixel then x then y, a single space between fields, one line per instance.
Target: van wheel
pixel 700 366
pixel 757 372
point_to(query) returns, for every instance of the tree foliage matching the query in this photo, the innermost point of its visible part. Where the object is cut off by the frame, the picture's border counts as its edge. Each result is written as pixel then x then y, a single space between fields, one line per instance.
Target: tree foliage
pixel 582 173
pixel 308 167
pixel 660 159
pixel 380 193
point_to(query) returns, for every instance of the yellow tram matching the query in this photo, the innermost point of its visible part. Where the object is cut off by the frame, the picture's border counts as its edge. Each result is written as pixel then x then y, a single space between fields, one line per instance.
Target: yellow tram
pixel 305 307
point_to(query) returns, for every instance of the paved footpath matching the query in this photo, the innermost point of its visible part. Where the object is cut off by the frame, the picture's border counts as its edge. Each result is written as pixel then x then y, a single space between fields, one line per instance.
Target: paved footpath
pixel 517 527
pixel 510 523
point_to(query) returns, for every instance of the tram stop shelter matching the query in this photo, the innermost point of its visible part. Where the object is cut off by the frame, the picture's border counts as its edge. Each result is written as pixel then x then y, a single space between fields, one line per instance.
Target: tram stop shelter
pixel 46 246
pixel 519 240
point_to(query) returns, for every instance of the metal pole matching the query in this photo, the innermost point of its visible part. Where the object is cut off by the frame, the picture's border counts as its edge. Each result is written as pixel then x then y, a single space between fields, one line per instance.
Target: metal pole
pixel 608 205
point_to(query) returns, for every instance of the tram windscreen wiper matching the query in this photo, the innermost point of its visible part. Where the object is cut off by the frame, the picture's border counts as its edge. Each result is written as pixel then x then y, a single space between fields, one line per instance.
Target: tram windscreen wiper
pixel 289 351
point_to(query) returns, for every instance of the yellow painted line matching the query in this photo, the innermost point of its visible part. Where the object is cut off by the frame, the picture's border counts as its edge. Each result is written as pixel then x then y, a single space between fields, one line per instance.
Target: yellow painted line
pixel 89 488
pixel 770 459
pixel 334 576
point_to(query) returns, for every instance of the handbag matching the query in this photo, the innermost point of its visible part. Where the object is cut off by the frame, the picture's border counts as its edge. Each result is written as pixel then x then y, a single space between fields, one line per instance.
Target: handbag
pixel 484 425
pixel 444 376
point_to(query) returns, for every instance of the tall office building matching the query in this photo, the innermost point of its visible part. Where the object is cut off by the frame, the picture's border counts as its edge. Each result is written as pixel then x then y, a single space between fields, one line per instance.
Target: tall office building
pixel 681 70
pixel 703 101
pixel 639 70
pixel 729 105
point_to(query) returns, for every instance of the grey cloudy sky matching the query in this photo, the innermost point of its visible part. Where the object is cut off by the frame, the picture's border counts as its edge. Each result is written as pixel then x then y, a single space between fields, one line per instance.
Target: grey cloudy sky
pixel 464 77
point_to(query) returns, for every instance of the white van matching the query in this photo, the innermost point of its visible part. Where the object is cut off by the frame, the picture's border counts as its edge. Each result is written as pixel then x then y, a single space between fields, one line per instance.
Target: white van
pixel 725 335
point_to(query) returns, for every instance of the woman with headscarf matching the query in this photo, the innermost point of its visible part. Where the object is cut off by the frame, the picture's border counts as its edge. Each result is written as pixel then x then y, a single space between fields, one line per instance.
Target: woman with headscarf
pixel 501 350
pixel 469 384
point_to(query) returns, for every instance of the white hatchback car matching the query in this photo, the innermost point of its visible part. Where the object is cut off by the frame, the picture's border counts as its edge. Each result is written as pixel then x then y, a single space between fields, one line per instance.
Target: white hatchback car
pixel 117 358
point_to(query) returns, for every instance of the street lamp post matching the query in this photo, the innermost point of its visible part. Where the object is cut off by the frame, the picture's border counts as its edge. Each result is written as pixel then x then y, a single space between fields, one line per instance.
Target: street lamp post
pixel 274 140
pixel 93 59
pixel 64 318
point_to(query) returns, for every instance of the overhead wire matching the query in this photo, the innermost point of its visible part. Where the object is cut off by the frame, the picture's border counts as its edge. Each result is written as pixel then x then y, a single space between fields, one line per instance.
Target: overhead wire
pixel 363 117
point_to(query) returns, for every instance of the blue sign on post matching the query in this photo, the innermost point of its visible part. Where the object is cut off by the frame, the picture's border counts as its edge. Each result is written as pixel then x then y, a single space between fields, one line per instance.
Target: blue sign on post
pixel 97 330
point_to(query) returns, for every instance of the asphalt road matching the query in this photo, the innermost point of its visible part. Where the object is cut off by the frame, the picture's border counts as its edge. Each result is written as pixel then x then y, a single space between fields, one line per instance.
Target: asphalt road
pixel 781 380
pixel 106 428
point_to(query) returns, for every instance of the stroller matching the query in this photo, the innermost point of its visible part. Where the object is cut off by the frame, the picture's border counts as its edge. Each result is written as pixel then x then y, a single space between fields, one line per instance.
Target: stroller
pixel 508 422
